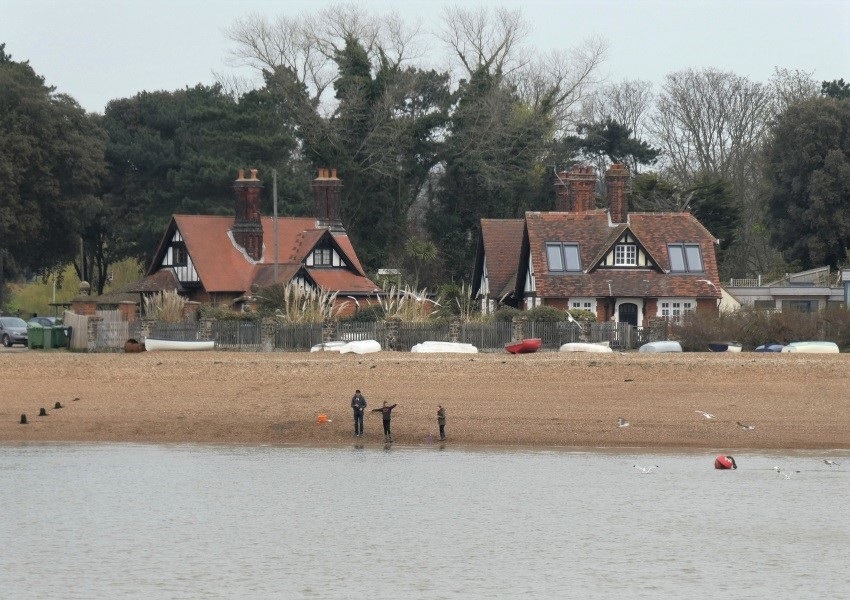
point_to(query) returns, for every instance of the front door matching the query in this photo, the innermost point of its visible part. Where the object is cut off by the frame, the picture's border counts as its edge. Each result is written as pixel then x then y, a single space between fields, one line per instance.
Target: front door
pixel 628 313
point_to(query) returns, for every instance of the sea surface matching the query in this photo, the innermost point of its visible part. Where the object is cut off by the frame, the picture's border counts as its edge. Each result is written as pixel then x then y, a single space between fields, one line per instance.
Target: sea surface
pixel 91 521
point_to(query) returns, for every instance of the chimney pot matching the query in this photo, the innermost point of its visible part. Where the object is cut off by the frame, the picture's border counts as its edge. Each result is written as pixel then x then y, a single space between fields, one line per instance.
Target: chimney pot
pixel 333 174
pixel 253 173
pixel 241 174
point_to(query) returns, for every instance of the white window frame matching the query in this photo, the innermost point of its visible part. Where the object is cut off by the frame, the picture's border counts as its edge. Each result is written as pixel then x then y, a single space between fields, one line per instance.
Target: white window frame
pixel 625 255
pixel 675 308
pixel 583 304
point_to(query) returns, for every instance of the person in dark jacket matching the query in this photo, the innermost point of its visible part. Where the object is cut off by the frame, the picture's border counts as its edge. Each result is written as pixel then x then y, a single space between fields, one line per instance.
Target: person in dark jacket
pixel 358 405
pixel 386 414
pixel 441 421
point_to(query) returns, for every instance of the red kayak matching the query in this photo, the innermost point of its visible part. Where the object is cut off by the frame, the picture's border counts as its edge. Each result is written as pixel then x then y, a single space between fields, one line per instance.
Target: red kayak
pixel 724 462
pixel 525 346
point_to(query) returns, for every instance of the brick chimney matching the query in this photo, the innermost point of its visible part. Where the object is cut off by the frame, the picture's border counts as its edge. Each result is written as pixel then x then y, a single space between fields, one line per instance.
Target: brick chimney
pixel 616 180
pixel 582 180
pixel 247 227
pixel 562 191
pixel 326 189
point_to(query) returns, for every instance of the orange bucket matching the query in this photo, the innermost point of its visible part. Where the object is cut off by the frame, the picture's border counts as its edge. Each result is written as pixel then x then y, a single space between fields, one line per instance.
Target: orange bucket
pixel 323 418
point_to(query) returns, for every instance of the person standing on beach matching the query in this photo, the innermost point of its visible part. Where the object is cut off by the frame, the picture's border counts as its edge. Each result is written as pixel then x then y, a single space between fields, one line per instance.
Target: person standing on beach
pixel 441 421
pixel 358 405
pixel 386 414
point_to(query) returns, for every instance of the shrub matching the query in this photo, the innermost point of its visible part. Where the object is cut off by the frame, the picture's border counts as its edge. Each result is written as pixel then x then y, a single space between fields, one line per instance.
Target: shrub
pixel 545 314
pixel 165 306
pixel 506 313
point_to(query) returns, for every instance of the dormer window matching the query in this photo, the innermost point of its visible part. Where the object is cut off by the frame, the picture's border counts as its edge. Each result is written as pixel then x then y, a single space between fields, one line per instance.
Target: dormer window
pixel 322 257
pixel 625 255
pixel 563 257
pixel 685 258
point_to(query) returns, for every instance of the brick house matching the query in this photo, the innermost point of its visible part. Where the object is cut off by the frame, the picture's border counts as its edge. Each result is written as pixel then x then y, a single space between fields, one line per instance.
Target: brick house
pixel 220 260
pixel 623 266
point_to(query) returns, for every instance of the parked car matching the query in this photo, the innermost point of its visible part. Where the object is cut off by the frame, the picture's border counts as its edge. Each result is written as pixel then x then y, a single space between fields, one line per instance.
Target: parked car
pixel 44 321
pixel 13 331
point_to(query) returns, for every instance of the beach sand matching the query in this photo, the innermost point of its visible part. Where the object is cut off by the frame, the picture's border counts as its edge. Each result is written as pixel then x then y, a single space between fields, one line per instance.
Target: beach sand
pixel 541 400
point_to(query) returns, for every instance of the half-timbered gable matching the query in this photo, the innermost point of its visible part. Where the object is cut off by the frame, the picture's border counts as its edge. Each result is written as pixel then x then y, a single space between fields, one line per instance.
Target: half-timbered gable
pixel 219 259
pixel 629 267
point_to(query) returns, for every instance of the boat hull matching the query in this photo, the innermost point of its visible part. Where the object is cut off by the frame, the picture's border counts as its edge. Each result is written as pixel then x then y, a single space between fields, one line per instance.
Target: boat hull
pixel 526 346
pixel 665 346
pixel 815 347
pixel 152 344
pixel 585 347
pixel 769 348
pixel 428 347
pixel 725 346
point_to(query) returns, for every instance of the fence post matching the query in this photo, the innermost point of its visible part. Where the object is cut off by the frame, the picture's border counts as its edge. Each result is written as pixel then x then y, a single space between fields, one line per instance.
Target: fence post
pixel 268 329
pixel 518 332
pixel 328 330
pixel 145 328
pixel 205 329
pixel 91 334
pixel 391 341
pixel 454 331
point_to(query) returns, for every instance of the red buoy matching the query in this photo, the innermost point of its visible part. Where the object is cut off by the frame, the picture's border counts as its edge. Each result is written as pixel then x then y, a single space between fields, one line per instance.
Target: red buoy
pixel 724 462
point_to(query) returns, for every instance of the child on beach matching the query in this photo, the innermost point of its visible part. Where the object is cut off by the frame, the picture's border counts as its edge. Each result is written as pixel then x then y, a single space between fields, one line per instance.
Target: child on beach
pixel 386 415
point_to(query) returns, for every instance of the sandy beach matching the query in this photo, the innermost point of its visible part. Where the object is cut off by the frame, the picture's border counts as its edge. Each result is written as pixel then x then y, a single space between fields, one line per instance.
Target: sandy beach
pixel 542 400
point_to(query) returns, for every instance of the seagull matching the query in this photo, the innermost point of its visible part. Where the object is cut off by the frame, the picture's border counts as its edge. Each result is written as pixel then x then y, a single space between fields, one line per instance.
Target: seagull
pixel 783 473
pixel 745 427
pixel 705 414
pixel 621 422
pixel 646 469
pixel 831 463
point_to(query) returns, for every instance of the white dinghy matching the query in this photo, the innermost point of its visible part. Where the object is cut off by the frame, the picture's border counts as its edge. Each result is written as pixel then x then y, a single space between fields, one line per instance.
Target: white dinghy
pixel 427 347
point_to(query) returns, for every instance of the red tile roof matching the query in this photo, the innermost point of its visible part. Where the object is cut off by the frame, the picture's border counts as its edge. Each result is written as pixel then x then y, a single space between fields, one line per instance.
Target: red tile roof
pixel 223 266
pixel 595 235
pixel 502 240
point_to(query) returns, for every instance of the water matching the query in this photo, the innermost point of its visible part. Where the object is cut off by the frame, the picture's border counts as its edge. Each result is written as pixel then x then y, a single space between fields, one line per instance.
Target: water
pixel 134 521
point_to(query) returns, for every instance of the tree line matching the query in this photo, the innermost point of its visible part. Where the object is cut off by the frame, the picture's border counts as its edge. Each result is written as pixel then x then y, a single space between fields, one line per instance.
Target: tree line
pixel 423 152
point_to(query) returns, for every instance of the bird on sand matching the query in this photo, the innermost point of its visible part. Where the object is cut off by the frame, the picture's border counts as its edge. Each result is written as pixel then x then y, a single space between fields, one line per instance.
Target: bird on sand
pixel 621 422
pixel 831 463
pixel 745 427
pixel 705 414
pixel 646 469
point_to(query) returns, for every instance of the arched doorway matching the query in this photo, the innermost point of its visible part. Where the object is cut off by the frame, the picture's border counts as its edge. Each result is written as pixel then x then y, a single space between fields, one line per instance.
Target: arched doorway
pixel 628 313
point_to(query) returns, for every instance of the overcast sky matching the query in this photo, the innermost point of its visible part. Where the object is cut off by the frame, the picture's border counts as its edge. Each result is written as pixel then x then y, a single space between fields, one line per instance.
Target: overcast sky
pixel 97 50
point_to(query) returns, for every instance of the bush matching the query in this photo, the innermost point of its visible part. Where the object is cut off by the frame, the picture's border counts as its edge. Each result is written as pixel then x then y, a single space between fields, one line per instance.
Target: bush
pixel 506 313
pixel 369 314
pixel 545 314
pixel 753 328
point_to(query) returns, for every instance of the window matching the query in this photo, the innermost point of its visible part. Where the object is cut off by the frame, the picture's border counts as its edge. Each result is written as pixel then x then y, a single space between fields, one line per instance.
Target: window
pixel 803 306
pixel 588 304
pixel 563 257
pixel 625 255
pixel 764 305
pixel 674 308
pixel 685 258
pixel 179 257
pixel 322 257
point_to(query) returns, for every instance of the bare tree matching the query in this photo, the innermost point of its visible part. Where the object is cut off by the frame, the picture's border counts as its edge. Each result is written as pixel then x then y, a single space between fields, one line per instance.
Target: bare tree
pixel 713 123
pixel 790 86
pixel 307 45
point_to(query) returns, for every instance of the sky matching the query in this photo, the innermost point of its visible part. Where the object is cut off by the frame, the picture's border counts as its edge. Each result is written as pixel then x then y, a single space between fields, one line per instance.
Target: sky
pixel 98 50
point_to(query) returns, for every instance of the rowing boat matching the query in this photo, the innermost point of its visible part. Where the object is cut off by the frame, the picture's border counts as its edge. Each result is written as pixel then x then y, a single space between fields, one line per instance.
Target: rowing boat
pixel 525 346
pixel 155 344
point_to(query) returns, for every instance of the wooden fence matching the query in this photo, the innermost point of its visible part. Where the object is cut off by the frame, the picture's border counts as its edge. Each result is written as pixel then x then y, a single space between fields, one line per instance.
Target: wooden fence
pixel 109 333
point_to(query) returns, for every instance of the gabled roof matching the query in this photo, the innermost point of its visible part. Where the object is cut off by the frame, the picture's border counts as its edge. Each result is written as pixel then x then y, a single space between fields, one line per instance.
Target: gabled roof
pixel 223 266
pixel 163 280
pixel 499 245
pixel 595 235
